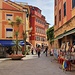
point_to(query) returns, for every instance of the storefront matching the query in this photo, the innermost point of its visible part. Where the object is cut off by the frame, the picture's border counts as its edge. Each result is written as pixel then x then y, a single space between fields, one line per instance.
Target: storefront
pixel 67 36
pixel 5 43
pixel 66 45
pixel 4 46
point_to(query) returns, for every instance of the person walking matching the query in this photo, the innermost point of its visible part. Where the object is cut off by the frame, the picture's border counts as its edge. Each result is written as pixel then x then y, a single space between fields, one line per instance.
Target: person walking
pixel 46 50
pixel 38 50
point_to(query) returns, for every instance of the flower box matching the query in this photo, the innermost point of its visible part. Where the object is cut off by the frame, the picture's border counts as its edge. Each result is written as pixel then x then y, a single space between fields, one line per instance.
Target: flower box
pixel 16 57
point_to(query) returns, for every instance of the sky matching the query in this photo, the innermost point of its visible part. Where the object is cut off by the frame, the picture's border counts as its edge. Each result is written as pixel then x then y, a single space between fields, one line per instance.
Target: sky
pixel 47 7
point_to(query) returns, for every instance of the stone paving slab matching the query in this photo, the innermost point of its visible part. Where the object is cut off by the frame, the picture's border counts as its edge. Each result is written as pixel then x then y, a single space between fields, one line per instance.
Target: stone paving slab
pixel 32 65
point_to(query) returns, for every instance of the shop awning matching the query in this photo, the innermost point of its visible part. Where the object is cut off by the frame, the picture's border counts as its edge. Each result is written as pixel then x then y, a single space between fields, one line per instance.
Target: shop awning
pixel 59 37
pixel 22 43
pixel 12 43
pixel 7 43
pixel 69 32
pixel 65 34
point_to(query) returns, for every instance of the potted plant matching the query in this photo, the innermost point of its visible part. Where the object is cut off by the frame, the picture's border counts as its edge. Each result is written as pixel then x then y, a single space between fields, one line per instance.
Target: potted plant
pixel 17 23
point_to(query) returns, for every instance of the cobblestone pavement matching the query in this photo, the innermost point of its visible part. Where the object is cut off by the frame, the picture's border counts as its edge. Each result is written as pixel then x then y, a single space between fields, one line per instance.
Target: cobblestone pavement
pixel 32 65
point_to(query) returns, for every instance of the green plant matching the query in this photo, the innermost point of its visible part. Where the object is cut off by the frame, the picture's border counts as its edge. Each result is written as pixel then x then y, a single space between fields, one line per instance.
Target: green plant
pixel 14 48
pixel 17 23
pixel 50 34
pixel 24 52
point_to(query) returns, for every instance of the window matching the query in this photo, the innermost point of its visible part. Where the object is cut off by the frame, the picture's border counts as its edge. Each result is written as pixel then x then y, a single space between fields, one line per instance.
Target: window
pixel 9 33
pixel 37 38
pixel 55 20
pixel 9 16
pixel 39 11
pixel 33 8
pixel 73 3
pixel 60 15
pixel 42 39
pixel 65 9
pixel 55 2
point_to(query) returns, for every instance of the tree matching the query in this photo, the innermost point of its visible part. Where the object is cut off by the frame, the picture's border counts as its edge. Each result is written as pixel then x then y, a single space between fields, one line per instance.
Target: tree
pixel 50 34
pixel 17 23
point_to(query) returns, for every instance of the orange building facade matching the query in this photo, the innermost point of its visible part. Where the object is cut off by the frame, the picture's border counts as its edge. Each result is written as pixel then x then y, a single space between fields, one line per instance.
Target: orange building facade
pixel 26 12
pixel 39 24
pixel 9 12
pixel 64 27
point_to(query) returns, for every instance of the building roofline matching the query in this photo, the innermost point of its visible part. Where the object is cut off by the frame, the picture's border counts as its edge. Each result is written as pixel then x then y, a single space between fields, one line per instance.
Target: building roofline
pixel 34 7
pixel 23 7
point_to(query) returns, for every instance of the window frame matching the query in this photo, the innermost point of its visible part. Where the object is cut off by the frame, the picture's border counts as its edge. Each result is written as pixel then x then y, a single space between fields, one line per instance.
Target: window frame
pixel 73 4
pixel 9 32
pixel 60 15
pixel 37 38
pixel 9 15
pixel 64 9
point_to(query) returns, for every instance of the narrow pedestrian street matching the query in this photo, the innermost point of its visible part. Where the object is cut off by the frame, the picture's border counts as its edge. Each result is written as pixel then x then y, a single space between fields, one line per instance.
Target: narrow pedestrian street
pixel 32 65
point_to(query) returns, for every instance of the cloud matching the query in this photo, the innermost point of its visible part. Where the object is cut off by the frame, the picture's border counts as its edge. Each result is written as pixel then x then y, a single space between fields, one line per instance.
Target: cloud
pixel 47 7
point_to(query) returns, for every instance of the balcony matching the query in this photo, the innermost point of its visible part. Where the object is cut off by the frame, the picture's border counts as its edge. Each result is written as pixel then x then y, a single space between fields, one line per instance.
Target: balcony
pixel 36 13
